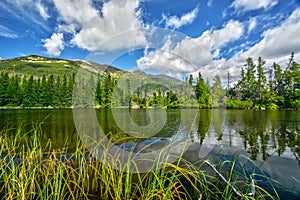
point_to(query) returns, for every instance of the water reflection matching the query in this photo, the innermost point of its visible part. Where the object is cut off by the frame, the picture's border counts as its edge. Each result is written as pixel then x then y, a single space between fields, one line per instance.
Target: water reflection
pixel 265 132
pixel 260 133
pixel 54 125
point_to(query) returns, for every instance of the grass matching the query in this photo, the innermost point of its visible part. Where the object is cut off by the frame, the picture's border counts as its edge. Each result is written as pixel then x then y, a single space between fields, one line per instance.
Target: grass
pixel 38 68
pixel 29 170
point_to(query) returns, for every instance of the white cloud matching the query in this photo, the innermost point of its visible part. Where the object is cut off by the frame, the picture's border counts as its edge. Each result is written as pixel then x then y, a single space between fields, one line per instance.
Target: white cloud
pixel 246 5
pixel 41 9
pixel 191 54
pixel 90 27
pixel 185 19
pixel 276 46
pixel 21 3
pixel 279 41
pixel 209 3
pixel 6 32
pixel 26 5
pixel 252 24
pixel 54 45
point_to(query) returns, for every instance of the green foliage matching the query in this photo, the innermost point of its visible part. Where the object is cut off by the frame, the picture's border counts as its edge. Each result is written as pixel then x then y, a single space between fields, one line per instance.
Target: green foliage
pixel 279 90
pixel 272 106
pixel 38 66
pixel 171 101
pixel 108 85
pixel 202 93
pixel 217 92
pixel 191 80
pixel 30 171
pixel 238 104
pixel 35 81
pixel 35 92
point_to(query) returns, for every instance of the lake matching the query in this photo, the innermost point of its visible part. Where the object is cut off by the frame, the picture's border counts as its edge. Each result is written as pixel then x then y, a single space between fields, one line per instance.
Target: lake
pixel 270 138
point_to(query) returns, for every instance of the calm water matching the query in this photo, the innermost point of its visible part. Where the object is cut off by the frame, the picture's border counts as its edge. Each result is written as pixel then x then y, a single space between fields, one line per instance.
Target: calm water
pixel 261 133
pixel 271 138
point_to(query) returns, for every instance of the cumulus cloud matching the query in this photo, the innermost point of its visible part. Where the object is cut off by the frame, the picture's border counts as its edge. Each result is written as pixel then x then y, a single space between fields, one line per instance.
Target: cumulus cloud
pixel 247 5
pixel 275 46
pixel 54 45
pixel 191 54
pixel 90 27
pixel 187 18
pixel 168 60
pixel 279 41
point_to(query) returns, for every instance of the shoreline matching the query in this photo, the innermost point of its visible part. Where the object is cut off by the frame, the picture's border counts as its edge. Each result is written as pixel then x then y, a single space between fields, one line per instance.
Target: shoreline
pixel 137 108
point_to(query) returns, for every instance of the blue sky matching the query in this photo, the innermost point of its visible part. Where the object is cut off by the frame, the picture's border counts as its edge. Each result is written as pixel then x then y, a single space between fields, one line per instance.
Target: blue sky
pixel 175 37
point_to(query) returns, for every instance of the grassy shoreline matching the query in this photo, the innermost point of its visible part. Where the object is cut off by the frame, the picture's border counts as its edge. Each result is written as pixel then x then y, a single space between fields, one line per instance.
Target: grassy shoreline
pixel 30 171
pixel 148 107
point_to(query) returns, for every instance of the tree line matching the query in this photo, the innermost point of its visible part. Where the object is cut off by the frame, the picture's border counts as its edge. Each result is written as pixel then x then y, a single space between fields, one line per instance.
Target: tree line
pixel 29 91
pixel 257 88
pixel 58 91
pixel 274 88
pixel 51 91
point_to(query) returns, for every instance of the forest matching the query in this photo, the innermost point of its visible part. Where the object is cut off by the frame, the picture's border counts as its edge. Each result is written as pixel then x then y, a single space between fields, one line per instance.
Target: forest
pixel 257 88
pixel 271 89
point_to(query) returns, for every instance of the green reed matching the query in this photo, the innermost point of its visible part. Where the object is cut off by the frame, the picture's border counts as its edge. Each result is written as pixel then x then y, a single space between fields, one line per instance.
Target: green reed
pixel 29 170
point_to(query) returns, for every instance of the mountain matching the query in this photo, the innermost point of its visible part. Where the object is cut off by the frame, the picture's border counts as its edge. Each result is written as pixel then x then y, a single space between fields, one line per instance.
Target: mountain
pixel 37 81
pixel 39 65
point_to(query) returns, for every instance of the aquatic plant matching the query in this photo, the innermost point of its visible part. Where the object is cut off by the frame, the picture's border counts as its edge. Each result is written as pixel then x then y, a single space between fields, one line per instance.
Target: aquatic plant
pixel 29 170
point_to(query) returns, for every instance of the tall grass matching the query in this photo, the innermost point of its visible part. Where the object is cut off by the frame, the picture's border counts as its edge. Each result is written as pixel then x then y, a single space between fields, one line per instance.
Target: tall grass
pixel 29 170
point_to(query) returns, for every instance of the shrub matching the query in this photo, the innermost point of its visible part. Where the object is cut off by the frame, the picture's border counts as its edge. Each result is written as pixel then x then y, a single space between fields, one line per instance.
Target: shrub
pixel 238 104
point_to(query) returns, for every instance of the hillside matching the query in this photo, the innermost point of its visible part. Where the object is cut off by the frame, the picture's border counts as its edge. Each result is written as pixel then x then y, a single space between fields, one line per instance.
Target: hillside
pixel 36 81
pixel 39 66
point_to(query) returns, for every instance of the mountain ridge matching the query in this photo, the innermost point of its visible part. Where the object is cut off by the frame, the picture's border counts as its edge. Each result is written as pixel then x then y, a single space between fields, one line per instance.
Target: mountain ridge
pixel 38 66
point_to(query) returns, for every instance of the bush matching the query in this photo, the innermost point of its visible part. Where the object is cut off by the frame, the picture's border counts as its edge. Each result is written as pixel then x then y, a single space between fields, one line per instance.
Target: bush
pixel 295 104
pixel 272 106
pixel 238 104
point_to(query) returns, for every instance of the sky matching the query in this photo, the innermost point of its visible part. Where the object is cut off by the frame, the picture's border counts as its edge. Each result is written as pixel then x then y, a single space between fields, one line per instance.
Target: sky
pixel 173 37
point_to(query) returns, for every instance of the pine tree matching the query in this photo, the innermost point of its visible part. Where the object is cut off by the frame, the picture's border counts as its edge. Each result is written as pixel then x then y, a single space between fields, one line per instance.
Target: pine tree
pixel 44 91
pixel 98 94
pixel 49 101
pixel 292 88
pixel 202 93
pixel 57 98
pixel 4 82
pixel 37 92
pixel 262 94
pixel 127 94
pixel 191 80
pixel 217 92
pixel 64 92
pixel 13 91
pixel 250 91
pixel 107 90
pixel 28 94
pixel 240 89
pixel 71 85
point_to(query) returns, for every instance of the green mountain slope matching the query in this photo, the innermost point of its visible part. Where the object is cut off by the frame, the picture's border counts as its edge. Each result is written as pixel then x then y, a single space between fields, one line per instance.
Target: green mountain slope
pixel 39 66
pixel 36 81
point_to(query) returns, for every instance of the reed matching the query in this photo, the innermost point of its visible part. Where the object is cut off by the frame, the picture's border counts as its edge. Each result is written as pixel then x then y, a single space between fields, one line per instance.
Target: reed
pixel 29 170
